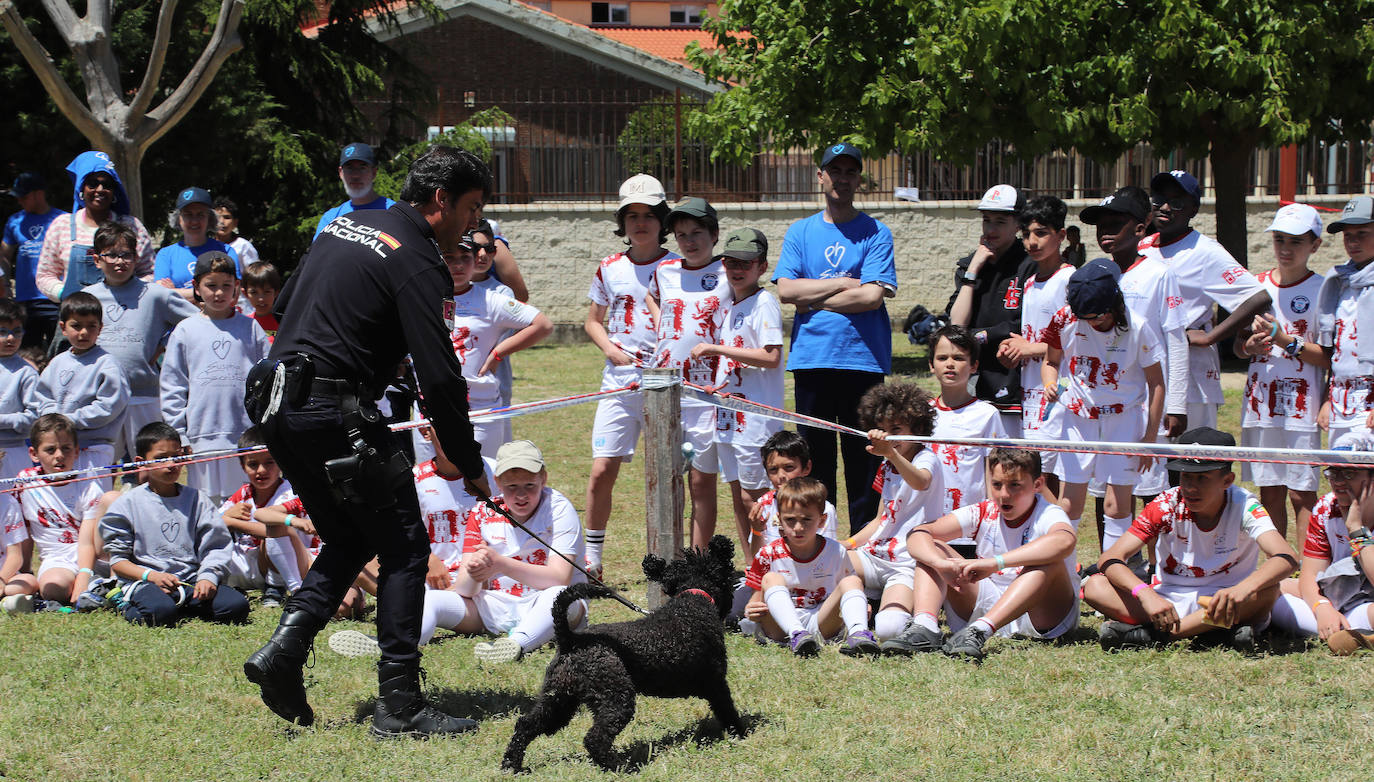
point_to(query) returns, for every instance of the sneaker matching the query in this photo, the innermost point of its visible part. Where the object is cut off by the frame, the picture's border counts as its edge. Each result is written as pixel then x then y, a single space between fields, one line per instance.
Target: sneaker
pixel 1143 569
pixel 914 639
pixel 1121 635
pixel 89 601
pixel 595 571
pixel 1348 642
pixel 968 642
pixel 18 604
pixel 1243 639
pixel 351 643
pixel 805 643
pixel 860 644
pixel 503 650
pixel 273 595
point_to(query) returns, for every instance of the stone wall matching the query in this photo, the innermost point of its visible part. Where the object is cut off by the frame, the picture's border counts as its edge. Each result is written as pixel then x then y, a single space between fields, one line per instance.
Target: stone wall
pixel 558 245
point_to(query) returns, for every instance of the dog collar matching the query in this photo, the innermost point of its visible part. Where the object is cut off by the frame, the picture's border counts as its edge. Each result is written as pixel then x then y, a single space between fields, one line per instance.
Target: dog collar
pixel 701 592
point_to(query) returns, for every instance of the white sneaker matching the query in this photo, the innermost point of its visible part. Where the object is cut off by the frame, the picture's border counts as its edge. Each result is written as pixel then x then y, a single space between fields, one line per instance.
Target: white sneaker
pixel 351 643
pixel 17 604
pixel 503 650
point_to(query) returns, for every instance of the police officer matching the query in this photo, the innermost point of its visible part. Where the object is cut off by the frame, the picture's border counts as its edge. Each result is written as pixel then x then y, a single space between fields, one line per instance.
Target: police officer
pixel 372 288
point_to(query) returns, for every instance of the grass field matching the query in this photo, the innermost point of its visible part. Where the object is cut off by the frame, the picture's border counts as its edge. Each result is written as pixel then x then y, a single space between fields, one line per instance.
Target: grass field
pixel 91 697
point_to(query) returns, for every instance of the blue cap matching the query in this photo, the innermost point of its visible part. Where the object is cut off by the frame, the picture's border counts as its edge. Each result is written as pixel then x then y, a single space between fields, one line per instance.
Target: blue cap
pixel 26 183
pixel 842 149
pixel 1181 178
pixel 357 151
pixel 193 195
pixel 1093 289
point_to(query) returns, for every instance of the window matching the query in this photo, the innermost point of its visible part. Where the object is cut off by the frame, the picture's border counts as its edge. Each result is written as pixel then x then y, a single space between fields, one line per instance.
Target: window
pixel 610 13
pixel 542 5
pixel 685 15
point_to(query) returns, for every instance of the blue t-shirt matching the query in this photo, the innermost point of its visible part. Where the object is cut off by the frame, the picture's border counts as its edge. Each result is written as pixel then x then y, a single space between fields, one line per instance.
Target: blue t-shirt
pixel 380 202
pixel 817 250
pixel 177 262
pixel 25 232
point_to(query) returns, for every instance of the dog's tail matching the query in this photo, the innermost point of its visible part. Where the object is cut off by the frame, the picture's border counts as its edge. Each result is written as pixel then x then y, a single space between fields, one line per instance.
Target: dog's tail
pixel 562 631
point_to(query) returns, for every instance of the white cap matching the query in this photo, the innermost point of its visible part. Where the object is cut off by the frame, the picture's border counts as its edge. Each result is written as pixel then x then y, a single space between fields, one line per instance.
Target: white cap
pixel 518 455
pixel 1297 219
pixel 642 189
pixel 1354 441
pixel 1000 198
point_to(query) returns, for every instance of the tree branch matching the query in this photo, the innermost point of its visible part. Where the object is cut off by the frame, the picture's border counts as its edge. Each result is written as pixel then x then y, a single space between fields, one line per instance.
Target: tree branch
pixel 224 42
pixel 144 97
pixel 41 62
pixel 98 12
pixel 65 18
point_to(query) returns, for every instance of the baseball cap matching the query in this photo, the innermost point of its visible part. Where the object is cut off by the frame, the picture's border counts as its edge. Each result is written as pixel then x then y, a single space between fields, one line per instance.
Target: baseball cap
pixel 1203 435
pixel 1181 178
pixel 205 261
pixel 26 183
pixel 842 149
pixel 1358 211
pixel 1129 200
pixel 1296 219
pixel 357 151
pixel 1002 198
pixel 518 455
pixel 642 189
pixel 194 195
pixel 746 244
pixel 690 207
pixel 1354 441
pixel 1093 288
pixel 468 241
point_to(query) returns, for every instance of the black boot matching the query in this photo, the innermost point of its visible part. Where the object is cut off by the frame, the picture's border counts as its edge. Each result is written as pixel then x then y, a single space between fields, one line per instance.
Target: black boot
pixel 276 667
pixel 401 710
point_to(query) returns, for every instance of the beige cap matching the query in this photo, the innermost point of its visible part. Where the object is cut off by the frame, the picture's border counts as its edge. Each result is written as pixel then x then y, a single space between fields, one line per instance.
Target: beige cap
pixel 642 189
pixel 518 455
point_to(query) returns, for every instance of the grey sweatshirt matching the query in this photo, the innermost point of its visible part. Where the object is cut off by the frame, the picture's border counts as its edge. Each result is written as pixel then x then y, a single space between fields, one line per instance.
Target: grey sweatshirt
pixel 90 389
pixel 18 400
pixel 181 535
pixel 203 375
pixel 138 317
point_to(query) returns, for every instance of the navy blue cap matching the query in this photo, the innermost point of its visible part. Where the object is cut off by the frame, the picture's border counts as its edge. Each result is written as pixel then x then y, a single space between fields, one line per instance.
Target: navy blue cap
pixel 1203 435
pixel 26 183
pixel 1181 178
pixel 1093 289
pixel 194 195
pixel 842 149
pixel 357 151
pixel 1129 200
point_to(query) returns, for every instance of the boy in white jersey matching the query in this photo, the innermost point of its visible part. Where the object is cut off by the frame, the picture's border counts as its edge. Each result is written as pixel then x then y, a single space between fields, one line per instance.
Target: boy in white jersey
pixel 1042 294
pixel 484 253
pixel 1284 383
pixel 911 485
pixel 785 456
pixel 748 354
pixel 1024 580
pixel 18 588
pixel 1207 534
pixel 1346 303
pixel 263 555
pixel 620 324
pixel 1207 276
pixel 805 588
pixel 684 296
pixel 953 360
pixel 60 516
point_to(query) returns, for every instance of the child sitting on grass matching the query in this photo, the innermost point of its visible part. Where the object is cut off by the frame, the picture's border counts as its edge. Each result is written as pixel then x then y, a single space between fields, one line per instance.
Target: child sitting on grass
pixel 167 544
pixel 17 587
pixel 265 556
pixel 785 456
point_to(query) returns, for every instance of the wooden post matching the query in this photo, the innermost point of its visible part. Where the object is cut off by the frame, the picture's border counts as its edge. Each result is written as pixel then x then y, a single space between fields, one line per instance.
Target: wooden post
pixel 1288 173
pixel 663 466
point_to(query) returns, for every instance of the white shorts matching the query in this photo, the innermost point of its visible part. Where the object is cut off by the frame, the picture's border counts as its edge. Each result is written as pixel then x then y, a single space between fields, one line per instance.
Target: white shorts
pixel 491 437
pixel 100 456
pixel 618 421
pixel 743 463
pixel 1202 414
pixel 705 457
pixel 501 611
pixel 810 622
pixel 1115 469
pixel 64 557
pixel 1297 477
pixel 1020 627
pixel 1185 599
pixel 244 571
pixel 142 410
pixel 1011 424
pixel 13 460
pixel 879 574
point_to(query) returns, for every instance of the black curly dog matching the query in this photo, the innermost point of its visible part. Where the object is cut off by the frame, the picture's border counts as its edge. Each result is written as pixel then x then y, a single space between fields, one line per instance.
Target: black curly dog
pixel 677 651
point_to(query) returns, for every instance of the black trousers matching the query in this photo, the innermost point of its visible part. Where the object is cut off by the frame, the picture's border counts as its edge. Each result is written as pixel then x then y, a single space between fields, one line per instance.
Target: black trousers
pixel 301 439
pixel 833 395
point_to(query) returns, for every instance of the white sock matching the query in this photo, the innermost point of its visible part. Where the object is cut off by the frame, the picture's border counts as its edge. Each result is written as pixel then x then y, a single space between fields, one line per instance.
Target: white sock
pixel 535 628
pixel 927 620
pixel 854 611
pixel 443 608
pixel 283 557
pixel 1293 616
pixel 889 623
pixel 781 608
pixel 1113 529
pixel 985 624
pixel 595 539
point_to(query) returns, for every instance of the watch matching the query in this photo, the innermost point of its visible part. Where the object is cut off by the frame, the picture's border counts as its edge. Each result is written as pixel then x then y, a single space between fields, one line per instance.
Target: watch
pixel 1292 349
pixel 970 276
pixel 1359 533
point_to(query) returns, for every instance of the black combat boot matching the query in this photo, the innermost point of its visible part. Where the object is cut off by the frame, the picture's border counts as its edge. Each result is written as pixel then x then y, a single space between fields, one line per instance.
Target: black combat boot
pixel 276 667
pixel 402 711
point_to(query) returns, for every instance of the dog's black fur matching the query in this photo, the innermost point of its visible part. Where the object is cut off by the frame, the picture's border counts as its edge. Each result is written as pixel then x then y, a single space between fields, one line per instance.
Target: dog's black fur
pixel 677 651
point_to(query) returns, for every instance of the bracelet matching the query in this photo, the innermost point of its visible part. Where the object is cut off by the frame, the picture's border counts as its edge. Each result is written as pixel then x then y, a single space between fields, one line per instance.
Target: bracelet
pixel 496 356
pixel 1138 588
pixel 1319 602
pixel 849 543
pixel 290 517
pixel 1274 332
pixel 1357 545
pixel 1001 562
pixel 146 571
pixel 87 571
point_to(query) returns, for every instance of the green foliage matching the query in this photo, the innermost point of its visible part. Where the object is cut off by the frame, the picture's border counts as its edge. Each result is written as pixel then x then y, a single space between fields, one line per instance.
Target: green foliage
pixel 644 143
pixel 391 173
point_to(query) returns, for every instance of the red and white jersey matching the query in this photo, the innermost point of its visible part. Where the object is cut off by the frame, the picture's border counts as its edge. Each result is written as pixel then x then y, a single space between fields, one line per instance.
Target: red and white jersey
pixel 1207 275
pixel 992 535
pixel 481 319
pixel 810 581
pixel 688 302
pixel 1039 301
pixel 1283 392
pixel 1105 370
pixel 1349 389
pixel 444 506
pixel 280 496
pixel 296 507
pixel 13 530
pixel 768 506
pixel 54 512
pixel 622 287
pixel 1326 533
pixel 1191 557
pixel 555 520
pixel 963 465
pixel 754 322
pixel 904 508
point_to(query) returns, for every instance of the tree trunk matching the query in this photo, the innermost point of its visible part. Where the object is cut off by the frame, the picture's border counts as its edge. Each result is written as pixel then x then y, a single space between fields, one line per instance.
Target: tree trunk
pixel 128 159
pixel 1231 176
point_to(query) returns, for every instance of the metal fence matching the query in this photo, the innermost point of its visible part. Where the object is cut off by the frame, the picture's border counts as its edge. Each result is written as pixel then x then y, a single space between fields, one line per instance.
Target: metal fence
pixel 578 145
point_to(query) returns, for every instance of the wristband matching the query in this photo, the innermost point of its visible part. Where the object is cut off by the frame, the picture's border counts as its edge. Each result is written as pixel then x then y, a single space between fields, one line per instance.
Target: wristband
pixel 1274 332
pixel 1319 602
pixel 1001 562
pixel 87 571
pixel 1138 588
pixel 146 571
pixel 496 356
pixel 290 517
pixel 849 543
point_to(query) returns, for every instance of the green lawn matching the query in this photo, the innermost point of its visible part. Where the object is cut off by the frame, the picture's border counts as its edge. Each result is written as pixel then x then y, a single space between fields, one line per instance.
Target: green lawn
pixel 91 697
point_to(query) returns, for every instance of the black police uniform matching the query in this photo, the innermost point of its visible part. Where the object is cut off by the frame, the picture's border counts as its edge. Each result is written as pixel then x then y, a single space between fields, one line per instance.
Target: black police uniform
pixel 373 288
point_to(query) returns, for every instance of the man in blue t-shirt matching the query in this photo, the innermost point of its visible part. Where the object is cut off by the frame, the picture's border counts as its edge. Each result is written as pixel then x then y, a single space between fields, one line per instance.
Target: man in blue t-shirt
pixel 357 171
pixel 22 244
pixel 837 267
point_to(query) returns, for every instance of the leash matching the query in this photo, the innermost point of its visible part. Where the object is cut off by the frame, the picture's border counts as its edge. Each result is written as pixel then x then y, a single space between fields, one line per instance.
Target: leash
pixel 619 598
